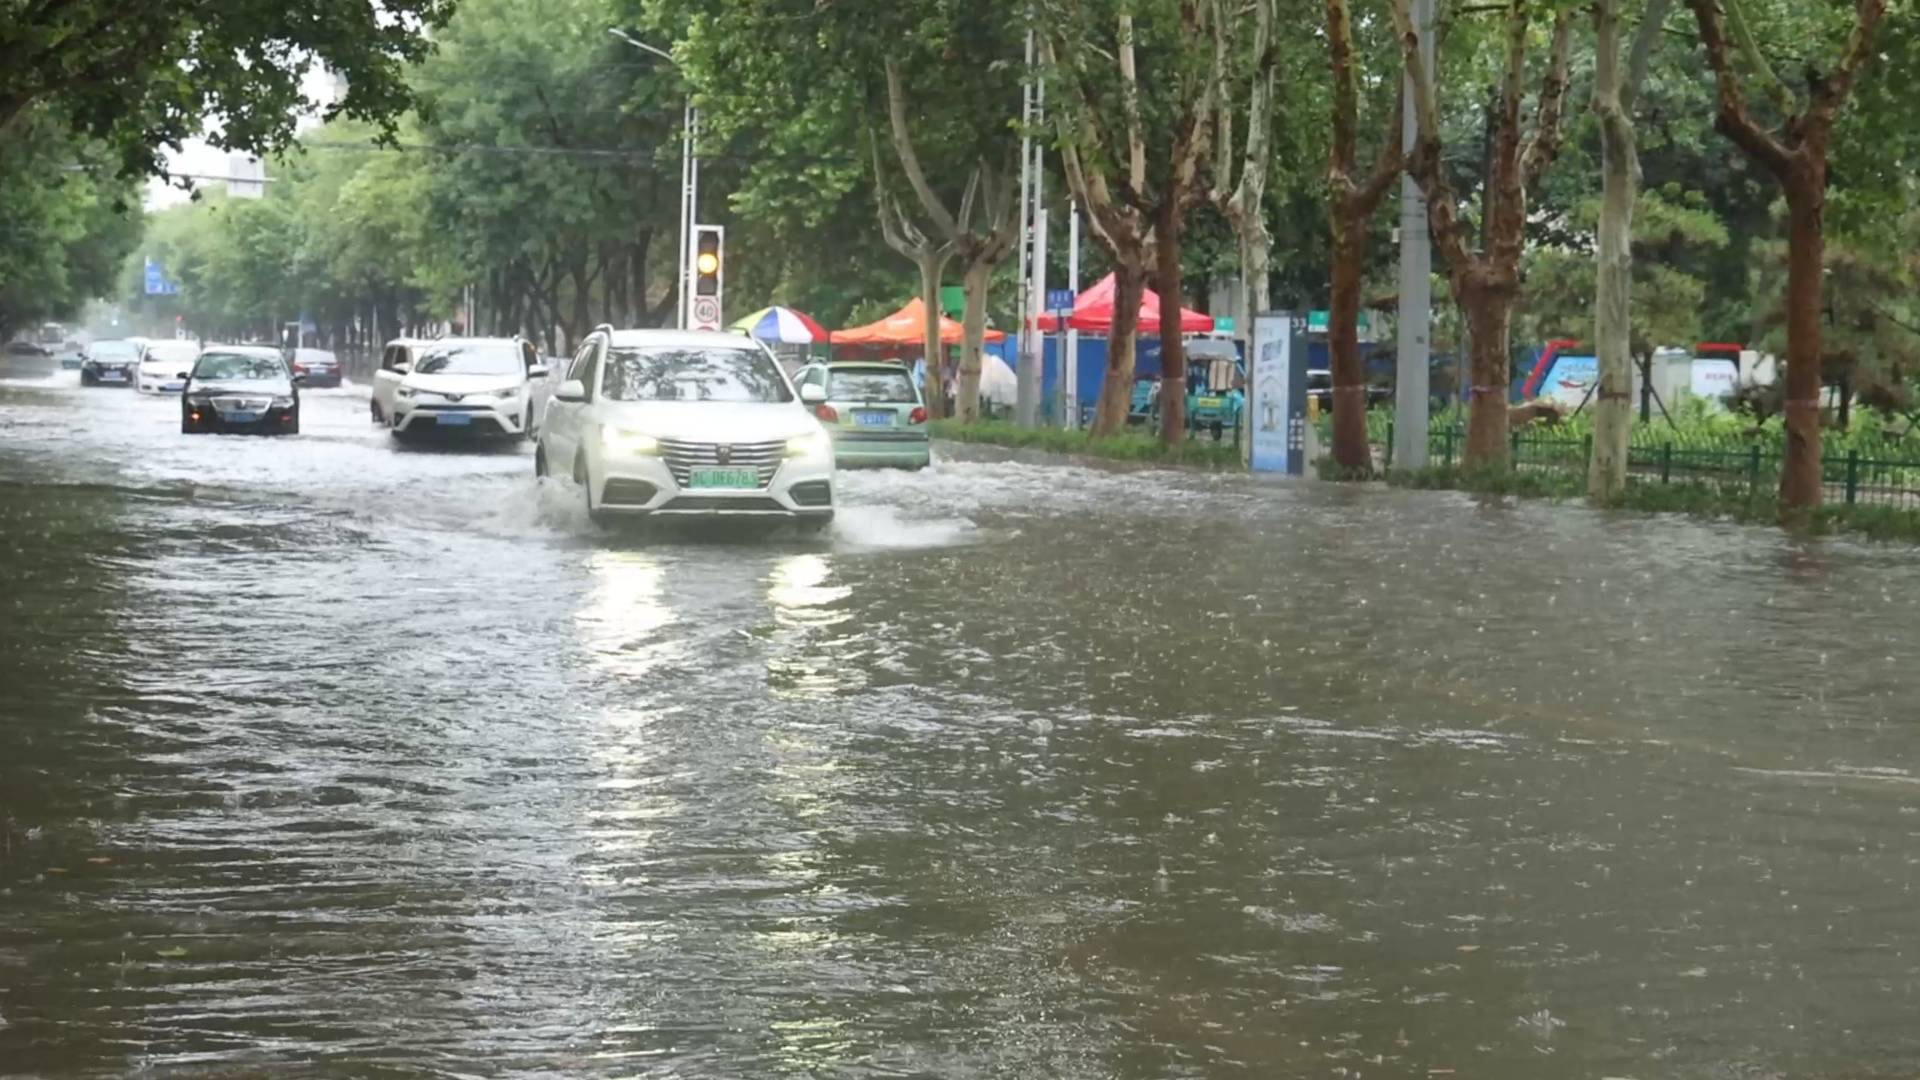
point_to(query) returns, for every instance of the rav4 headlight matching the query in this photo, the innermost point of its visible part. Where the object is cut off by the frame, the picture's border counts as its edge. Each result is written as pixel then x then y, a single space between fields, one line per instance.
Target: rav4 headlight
pixel 621 441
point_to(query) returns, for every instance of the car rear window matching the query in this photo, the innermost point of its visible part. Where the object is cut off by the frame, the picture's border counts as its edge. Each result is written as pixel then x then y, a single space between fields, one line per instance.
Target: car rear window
pixel 875 385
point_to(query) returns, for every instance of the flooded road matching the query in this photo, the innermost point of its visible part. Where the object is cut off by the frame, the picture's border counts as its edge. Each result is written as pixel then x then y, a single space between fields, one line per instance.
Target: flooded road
pixel 320 757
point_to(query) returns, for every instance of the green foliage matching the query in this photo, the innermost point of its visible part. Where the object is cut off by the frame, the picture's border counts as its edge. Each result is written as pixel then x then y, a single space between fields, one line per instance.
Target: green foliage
pixel 1674 233
pixel 1140 446
pixel 140 76
pixel 66 222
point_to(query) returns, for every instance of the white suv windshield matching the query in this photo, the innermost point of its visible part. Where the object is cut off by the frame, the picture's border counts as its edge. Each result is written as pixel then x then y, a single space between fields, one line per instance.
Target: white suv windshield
pixel 682 373
pixel 489 359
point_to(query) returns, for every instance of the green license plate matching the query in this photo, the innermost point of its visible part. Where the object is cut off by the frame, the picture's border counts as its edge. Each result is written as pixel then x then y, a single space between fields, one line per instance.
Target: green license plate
pixel 724 478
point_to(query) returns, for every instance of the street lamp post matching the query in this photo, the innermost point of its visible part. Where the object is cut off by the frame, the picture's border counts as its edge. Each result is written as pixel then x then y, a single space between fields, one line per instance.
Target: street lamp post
pixel 689 185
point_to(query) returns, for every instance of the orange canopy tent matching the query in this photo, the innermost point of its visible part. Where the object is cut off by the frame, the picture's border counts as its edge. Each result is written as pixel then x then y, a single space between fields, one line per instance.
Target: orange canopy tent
pixel 904 329
pixel 1093 313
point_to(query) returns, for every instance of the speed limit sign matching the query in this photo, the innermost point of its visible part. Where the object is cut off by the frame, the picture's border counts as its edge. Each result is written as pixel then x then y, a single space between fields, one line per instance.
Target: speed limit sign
pixel 706 313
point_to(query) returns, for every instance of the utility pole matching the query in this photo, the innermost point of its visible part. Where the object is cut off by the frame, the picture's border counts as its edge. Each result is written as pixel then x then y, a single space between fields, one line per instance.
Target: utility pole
pixel 1026 407
pixel 689 187
pixel 1070 357
pixel 1410 407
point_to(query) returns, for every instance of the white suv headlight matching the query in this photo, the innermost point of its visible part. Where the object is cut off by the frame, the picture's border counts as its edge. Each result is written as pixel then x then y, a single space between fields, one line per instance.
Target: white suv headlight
pixel 405 392
pixel 620 441
pixel 511 391
pixel 812 444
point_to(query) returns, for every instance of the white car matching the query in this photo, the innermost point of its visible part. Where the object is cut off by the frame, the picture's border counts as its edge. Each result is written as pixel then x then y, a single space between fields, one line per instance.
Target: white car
pixel 674 425
pixel 468 386
pixel 162 363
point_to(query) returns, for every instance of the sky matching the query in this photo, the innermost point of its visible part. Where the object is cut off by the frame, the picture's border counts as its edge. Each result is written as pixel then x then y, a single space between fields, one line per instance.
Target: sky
pixel 200 158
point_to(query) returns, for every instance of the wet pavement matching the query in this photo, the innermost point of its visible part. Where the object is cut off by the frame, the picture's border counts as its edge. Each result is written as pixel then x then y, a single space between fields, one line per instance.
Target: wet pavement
pixel 322 757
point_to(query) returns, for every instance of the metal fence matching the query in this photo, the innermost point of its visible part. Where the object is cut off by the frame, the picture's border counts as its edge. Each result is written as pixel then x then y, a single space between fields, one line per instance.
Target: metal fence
pixel 1869 474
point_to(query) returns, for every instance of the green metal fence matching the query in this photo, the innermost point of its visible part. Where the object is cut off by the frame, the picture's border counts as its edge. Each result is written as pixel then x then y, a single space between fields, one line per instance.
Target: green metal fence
pixel 1883 474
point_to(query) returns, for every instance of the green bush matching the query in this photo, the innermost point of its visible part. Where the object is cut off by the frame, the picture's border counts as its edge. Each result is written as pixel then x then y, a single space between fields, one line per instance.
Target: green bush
pixel 1127 446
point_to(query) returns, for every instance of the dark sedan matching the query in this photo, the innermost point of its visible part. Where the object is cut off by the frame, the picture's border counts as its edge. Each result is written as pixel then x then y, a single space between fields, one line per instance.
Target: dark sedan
pixel 109 363
pixel 242 389
pixel 320 367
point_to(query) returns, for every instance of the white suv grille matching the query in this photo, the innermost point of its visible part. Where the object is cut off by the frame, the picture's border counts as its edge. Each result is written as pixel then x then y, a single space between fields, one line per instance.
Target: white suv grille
pixel 683 457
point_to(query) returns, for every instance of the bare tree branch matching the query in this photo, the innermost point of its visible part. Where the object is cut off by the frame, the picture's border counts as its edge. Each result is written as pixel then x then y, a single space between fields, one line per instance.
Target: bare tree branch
pixel 1830 92
pixel 1733 119
pixel 909 159
pixel 1544 144
pixel 1641 54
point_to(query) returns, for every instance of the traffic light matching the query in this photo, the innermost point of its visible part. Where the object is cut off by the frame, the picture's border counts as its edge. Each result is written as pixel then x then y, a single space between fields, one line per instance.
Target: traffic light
pixel 709 277
pixel 706 260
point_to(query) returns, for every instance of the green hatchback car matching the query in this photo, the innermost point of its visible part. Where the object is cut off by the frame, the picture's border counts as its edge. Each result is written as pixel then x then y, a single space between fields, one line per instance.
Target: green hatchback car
pixel 874 412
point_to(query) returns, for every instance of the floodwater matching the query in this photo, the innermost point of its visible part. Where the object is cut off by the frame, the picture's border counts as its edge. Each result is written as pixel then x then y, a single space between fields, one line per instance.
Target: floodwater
pixel 320 757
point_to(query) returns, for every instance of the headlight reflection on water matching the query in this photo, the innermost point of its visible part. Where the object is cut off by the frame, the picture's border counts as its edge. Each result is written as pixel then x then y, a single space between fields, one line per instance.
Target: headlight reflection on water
pixel 619 624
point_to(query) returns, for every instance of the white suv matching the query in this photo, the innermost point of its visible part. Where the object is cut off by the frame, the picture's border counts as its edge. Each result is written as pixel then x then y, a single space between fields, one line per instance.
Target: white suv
pixel 471 386
pixel 672 424
pixel 163 362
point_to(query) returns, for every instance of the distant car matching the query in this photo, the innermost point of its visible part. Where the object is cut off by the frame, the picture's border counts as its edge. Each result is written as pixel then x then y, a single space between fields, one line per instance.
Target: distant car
pixel 320 367
pixel 161 363
pixel 677 425
pixel 109 363
pixel 873 411
pixel 240 388
pixel 27 348
pixel 469 386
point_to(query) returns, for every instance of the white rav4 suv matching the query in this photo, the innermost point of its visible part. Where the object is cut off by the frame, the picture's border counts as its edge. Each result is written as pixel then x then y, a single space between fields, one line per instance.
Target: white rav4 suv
pixel 672 425
pixel 468 386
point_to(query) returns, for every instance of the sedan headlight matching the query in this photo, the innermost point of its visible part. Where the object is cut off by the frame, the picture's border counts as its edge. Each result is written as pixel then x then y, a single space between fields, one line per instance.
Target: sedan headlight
pixel 812 444
pixel 405 392
pixel 621 441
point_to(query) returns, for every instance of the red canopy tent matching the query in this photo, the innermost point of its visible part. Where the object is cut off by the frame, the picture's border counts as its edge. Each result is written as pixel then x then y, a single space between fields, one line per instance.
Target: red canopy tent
pixel 904 329
pixel 1093 313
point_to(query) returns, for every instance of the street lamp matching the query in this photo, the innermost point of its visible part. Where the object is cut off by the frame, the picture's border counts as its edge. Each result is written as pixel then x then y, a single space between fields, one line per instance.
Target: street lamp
pixel 689 181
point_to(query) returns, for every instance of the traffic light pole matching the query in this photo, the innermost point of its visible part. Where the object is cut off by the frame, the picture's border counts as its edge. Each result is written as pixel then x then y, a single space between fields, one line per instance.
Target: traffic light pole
pixel 689 210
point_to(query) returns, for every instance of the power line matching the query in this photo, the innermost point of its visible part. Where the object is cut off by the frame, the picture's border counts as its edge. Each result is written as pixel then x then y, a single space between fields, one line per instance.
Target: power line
pixel 647 155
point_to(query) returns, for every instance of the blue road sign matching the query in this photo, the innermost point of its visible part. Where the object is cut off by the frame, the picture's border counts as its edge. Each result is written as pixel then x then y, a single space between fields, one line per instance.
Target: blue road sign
pixel 157 283
pixel 1060 300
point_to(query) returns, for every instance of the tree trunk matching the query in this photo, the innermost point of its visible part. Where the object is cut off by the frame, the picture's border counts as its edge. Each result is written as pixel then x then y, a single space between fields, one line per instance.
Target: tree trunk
pixel 1800 487
pixel 973 328
pixel 1489 321
pixel 1116 389
pixel 933 265
pixel 1173 349
pixel 1613 292
pixel 1350 449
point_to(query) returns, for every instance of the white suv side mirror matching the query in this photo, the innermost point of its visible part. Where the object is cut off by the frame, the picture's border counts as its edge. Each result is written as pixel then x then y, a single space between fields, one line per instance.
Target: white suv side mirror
pixel 537 371
pixel 571 390
pixel 813 394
